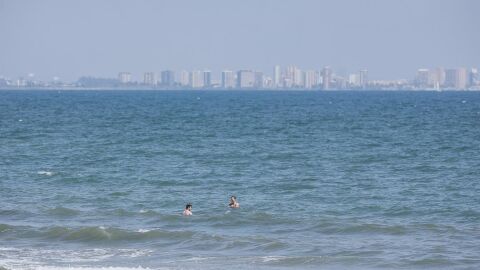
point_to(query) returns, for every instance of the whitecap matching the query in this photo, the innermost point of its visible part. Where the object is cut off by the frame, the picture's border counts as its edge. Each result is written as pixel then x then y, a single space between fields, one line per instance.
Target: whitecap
pixel 143 230
pixel 271 258
pixel 88 268
pixel 12 258
pixel 46 173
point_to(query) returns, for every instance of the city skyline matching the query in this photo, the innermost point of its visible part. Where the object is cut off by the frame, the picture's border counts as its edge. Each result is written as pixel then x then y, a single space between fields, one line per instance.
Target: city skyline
pixel 390 38
pixel 287 77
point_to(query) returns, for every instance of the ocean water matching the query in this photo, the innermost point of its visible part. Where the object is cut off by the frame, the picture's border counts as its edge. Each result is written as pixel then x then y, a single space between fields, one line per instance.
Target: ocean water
pixel 325 180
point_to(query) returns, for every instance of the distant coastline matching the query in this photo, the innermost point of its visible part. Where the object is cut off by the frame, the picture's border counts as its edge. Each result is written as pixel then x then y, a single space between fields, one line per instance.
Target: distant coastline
pixel 179 89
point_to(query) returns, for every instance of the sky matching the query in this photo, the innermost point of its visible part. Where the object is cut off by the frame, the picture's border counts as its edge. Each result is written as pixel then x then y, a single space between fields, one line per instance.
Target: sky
pixel 390 38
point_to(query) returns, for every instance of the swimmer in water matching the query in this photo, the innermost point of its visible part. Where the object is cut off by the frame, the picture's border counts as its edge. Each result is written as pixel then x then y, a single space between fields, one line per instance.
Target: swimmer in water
pixel 188 210
pixel 233 202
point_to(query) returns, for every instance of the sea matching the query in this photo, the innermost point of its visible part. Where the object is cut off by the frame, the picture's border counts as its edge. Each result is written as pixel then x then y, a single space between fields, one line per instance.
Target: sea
pixel 325 180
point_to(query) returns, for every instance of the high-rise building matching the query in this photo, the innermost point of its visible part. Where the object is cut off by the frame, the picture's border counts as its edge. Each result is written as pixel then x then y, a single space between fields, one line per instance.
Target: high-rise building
pixel 326 78
pixel 462 81
pixel 228 79
pixel 125 77
pixel 184 79
pixel 149 78
pixel 310 79
pixel 450 78
pixel 277 76
pixel 168 78
pixel 340 82
pixel 354 80
pixel 456 78
pixel 268 82
pixel 298 78
pixel 259 80
pixel 207 78
pixel 288 76
pixel 437 78
pixel 363 78
pixel 245 79
pixel 473 79
pixel 422 79
pixel 196 79
pixel 294 75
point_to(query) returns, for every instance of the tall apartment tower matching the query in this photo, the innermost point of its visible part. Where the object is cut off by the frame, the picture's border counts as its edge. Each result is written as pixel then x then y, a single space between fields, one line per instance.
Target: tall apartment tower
pixel 184 78
pixel 259 80
pixel 422 79
pixel 207 78
pixel 450 78
pixel 196 79
pixel 228 79
pixel 326 77
pixel 293 76
pixel 363 78
pixel 456 78
pixel 149 78
pixel 168 78
pixel 277 76
pixel 125 77
pixel 462 79
pixel 245 79
pixel 473 77
pixel 310 79
pixel 297 77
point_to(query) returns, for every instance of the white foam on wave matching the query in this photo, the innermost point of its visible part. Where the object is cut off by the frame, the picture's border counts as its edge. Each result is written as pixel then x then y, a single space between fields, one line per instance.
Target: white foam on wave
pixel 88 268
pixel 272 258
pixel 29 258
pixel 46 173
pixel 143 230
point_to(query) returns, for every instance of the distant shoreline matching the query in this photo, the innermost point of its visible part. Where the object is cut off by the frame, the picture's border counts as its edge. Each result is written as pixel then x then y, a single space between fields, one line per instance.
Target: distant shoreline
pixel 224 90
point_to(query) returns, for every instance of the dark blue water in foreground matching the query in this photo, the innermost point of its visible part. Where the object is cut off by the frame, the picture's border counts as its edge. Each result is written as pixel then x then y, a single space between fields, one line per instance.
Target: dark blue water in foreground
pixel 338 180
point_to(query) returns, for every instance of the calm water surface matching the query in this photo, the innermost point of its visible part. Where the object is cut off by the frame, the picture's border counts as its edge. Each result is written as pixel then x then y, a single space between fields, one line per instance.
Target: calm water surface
pixel 336 180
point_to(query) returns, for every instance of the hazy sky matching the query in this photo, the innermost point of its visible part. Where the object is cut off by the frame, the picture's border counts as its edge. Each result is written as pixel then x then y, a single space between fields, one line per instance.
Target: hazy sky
pixel 391 38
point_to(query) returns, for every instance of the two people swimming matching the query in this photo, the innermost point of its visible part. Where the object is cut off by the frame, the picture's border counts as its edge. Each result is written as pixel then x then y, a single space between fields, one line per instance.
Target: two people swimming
pixel 232 204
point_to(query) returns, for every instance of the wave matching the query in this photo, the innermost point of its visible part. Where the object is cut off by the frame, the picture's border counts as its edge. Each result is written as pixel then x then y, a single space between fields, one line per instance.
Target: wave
pixel 95 234
pixel 336 228
pixel 46 173
pixel 4 228
pixel 41 258
pixel 61 211
pixel 14 212
pixel 180 238
pixel 72 255
pixel 88 268
pixel 120 212
pixel 92 234
pixel 120 193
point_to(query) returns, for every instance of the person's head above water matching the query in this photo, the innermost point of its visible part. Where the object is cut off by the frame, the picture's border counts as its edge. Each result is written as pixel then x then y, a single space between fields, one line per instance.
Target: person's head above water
pixel 188 210
pixel 233 202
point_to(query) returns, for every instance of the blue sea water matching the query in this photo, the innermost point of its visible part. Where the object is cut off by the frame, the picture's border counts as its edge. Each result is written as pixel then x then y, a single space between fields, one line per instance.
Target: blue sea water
pixel 325 180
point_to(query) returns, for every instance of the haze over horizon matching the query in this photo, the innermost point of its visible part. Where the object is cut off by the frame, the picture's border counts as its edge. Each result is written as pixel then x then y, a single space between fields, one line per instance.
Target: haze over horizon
pixel 392 39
